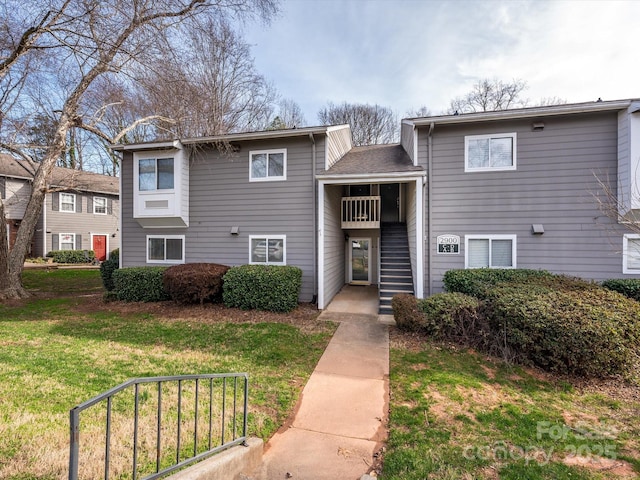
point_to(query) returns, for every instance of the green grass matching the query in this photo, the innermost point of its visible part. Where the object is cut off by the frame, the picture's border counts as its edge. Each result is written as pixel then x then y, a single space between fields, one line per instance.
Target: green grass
pixel 55 354
pixel 455 414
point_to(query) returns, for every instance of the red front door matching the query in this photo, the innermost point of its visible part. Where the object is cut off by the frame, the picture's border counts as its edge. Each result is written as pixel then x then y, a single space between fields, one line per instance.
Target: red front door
pixel 100 247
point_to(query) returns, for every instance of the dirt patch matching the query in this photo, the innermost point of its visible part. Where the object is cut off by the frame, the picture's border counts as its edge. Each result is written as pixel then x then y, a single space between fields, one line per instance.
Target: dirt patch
pixel 491 373
pixel 619 468
pixel 410 341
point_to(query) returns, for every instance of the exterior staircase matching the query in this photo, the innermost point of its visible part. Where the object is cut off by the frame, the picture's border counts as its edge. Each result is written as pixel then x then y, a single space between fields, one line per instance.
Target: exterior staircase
pixel 395 265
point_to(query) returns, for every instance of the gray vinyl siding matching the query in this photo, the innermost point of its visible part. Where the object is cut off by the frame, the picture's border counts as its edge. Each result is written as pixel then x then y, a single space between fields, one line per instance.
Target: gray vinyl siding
pixel 221 197
pixel 410 202
pixel 83 222
pixel 624 163
pixel 407 138
pixel 334 244
pixel 554 185
pixel 17 194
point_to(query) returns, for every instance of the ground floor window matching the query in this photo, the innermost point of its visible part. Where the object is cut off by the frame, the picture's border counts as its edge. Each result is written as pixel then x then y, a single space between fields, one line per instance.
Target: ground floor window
pixel 67 241
pixel 165 248
pixel 490 251
pixel 267 249
pixel 631 253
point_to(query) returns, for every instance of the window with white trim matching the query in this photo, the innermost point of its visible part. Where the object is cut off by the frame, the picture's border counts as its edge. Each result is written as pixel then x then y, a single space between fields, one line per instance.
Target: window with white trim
pixel 165 248
pixel 631 253
pixel 100 205
pixel 67 202
pixel 155 174
pixel 266 165
pixel 490 152
pixel 268 249
pixel 490 251
pixel 67 241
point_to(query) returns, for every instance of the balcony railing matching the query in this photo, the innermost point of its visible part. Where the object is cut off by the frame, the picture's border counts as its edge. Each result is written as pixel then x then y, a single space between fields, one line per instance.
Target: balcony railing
pixel 361 212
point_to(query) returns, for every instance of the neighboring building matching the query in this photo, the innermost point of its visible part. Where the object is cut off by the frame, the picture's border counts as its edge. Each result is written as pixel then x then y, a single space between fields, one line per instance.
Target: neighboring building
pixel 515 188
pixel 80 212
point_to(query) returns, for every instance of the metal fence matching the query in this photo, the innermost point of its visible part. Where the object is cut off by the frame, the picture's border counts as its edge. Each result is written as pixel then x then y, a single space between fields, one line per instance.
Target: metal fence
pixel 157 425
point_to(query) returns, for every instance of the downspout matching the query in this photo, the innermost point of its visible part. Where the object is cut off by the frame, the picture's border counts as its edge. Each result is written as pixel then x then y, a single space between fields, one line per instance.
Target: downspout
pixel 44 227
pixel 429 172
pixel 314 299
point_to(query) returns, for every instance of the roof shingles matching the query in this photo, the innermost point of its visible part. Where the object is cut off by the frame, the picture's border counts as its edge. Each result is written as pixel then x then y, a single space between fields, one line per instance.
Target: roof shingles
pixel 374 159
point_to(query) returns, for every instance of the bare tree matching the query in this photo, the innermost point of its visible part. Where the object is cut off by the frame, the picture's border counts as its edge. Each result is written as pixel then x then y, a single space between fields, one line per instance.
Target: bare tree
pixel 370 124
pixel 73 43
pixel 423 111
pixel 489 95
pixel 289 116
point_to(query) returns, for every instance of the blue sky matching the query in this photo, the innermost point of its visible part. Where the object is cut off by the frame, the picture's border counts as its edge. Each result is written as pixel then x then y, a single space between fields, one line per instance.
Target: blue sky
pixel 407 53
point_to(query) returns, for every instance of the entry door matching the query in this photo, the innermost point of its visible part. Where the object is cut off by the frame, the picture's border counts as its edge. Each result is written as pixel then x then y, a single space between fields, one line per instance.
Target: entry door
pixel 390 199
pixel 360 260
pixel 100 247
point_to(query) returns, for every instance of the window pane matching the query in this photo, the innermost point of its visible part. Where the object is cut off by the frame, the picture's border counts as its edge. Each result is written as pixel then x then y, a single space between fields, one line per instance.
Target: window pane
pixel 258 250
pixel 478 254
pixel 501 253
pixel 501 152
pixel 478 155
pixel 174 248
pixel 147 174
pixel 259 165
pixel 165 173
pixel 276 164
pixel 276 250
pixel 67 202
pixel 99 205
pixel 66 241
pixel 633 253
pixel 156 249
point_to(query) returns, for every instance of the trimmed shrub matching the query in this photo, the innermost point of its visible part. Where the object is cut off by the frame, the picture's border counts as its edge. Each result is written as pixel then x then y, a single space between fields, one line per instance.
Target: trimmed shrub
pixel 477 281
pixel 72 256
pixel 454 317
pixel 194 282
pixel 139 284
pixel 272 288
pixel 107 268
pixel 629 287
pixel 406 313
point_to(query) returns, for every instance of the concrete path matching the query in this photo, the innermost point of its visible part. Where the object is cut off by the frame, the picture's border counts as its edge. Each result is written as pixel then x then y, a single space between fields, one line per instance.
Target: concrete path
pixel 340 422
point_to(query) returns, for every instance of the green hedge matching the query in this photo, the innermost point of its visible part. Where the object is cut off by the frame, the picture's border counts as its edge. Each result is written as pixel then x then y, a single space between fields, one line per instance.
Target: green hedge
pixel 629 287
pixel 406 313
pixel 262 287
pixel 477 281
pixel 72 256
pixel 107 268
pixel 454 316
pixel 139 284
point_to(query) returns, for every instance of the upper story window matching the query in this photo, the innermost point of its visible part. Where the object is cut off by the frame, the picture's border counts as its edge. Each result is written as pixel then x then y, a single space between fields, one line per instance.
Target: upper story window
pixel 631 253
pixel 490 251
pixel 490 152
pixel 68 202
pixel 155 174
pixel 267 165
pixel 100 205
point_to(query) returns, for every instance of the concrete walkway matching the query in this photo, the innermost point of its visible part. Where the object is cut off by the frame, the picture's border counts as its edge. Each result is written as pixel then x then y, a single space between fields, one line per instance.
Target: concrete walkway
pixel 340 422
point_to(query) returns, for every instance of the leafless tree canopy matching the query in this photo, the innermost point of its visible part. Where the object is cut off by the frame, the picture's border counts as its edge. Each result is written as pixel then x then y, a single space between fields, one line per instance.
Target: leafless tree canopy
pixel 370 124
pixel 490 95
pixel 289 116
pixel 423 111
pixel 53 53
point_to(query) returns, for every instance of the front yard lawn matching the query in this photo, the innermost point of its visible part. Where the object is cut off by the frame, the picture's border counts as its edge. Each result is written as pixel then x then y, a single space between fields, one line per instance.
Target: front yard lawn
pixel 57 351
pixel 456 414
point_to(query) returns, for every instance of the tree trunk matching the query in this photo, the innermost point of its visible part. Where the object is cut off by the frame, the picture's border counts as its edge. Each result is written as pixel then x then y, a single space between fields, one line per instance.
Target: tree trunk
pixel 10 280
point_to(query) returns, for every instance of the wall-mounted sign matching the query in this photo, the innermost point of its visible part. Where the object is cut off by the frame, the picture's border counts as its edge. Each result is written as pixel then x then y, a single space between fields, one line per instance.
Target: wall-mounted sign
pixel 448 244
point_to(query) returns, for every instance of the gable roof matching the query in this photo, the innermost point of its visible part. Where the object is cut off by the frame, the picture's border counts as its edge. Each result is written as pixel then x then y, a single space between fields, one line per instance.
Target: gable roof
pixel 374 159
pixel 61 177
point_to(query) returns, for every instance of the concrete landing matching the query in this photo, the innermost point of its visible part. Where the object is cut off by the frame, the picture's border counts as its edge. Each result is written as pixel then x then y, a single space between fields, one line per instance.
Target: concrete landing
pixel 340 422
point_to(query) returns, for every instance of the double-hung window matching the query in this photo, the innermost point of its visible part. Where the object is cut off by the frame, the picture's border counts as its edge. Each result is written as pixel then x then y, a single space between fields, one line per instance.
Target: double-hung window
pixel 631 253
pixel 68 202
pixel 67 241
pixel 100 205
pixel 155 174
pixel 165 248
pixel 268 249
pixel 266 165
pixel 490 152
pixel 490 251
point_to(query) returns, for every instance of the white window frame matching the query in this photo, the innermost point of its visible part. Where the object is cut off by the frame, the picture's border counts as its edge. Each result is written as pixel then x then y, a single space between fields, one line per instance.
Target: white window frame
pixel 165 238
pixel 267 238
pixel 625 252
pixel 106 204
pixel 73 195
pixel 268 178
pixel 73 236
pixel 468 138
pixel 513 239
pixel 155 156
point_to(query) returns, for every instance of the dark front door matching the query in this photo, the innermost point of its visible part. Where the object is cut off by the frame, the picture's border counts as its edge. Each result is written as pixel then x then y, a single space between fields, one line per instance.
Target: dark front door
pixel 390 199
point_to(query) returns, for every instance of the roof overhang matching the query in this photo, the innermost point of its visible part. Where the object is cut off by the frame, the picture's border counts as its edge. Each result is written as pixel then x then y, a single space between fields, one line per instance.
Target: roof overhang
pixel 523 113
pixel 170 144
pixel 371 177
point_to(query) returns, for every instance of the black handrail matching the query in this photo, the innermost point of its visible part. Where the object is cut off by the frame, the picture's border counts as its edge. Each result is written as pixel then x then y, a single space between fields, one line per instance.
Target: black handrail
pixel 74 419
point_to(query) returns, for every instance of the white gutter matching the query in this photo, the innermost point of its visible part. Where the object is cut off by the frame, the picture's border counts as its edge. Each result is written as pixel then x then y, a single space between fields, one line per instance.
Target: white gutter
pixel 371 178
